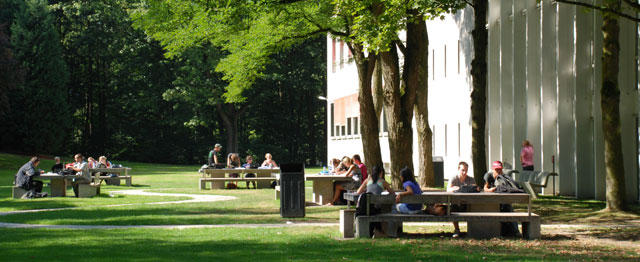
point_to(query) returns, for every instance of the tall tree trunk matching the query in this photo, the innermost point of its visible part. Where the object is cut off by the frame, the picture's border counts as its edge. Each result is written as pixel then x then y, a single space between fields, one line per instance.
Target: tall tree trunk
pixel 610 103
pixel 417 74
pixel 395 103
pixel 369 124
pixel 376 87
pixel 479 92
pixel 230 116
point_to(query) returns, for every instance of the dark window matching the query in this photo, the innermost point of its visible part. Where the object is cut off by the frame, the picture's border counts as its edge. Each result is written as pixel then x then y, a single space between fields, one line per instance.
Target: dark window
pixel 355 126
pixel 349 126
pixel 343 130
pixel 331 116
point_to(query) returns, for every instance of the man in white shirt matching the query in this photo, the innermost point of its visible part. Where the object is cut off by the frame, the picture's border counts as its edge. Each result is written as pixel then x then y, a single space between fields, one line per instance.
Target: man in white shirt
pixel 82 170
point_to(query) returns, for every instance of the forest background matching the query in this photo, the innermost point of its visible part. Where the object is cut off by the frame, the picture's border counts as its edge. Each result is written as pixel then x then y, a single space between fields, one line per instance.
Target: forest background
pixel 77 77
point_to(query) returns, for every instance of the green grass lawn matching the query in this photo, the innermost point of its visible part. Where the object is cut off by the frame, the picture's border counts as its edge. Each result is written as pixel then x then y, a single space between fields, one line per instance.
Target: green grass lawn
pixel 307 243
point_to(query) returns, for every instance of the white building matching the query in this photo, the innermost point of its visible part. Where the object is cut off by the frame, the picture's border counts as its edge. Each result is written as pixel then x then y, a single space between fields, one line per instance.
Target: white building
pixel 544 76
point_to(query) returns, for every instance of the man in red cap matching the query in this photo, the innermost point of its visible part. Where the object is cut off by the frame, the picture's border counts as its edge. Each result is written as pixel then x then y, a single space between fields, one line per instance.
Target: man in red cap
pixel 490 179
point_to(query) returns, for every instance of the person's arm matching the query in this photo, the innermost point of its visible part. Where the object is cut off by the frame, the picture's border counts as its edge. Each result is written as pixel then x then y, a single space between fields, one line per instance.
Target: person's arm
pixel 215 158
pixel 274 163
pixel 349 172
pixel 486 185
pixel 408 191
pixel 388 187
pixel 451 187
pixel 363 187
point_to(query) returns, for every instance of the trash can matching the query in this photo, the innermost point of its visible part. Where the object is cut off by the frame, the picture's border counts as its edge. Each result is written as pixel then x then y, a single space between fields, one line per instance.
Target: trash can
pixel 292 190
pixel 438 171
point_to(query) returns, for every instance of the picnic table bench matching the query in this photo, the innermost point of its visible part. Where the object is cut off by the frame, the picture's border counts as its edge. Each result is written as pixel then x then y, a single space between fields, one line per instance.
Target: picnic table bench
pixel 123 174
pixel 217 177
pixel 482 222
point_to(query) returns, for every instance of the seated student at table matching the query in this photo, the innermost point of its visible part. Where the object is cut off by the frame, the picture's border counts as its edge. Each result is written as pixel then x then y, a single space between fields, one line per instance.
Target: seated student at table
pixel 363 168
pixel 249 164
pixel 490 185
pixel 82 171
pixel 215 157
pixel 336 167
pixel 461 179
pixel 24 177
pixel 375 184
pixel 103 163
pixel 353 171
pixel 233 161
pixel 411 187
pixel 92 162
pixel 268 161
pixel 58 166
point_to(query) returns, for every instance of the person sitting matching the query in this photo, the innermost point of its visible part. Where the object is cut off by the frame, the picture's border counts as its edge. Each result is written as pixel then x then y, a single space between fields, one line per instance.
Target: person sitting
pixel 82 171
pixel 461 179
pixel 268 161
pixel 491 181
pixel 24 178
pixel 336 167
pixel 249 165
pixel 363 168
pixel 58 166
pixel 92 162
pixel 233 161
pixel 215 157
pixel 411 187
pixel 375 184
pixel 353 171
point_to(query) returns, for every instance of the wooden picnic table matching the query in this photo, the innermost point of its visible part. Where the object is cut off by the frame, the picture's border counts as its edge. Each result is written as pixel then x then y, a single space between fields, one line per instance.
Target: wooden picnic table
pixel 218 176
pixel 323 186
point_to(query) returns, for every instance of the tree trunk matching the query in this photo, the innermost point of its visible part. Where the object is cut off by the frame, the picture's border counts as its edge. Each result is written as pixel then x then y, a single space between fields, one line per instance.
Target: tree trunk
pixel 369 124
pixel 479 92
pixel 610 103
pixel 230 117
pixel 417 74
pixel 377 87
pixel 400 131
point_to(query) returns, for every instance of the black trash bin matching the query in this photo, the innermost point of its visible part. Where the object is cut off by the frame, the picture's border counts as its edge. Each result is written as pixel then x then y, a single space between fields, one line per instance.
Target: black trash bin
pixel 292 190
pixel 438 171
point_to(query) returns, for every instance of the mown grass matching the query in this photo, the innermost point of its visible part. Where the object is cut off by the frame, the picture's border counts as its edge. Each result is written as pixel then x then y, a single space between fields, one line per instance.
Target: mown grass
pixel 308 243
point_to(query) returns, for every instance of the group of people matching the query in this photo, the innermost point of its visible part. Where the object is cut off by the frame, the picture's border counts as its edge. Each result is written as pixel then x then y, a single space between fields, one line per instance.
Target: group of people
pixel 233 161
pixel 375 183
pixel 80 168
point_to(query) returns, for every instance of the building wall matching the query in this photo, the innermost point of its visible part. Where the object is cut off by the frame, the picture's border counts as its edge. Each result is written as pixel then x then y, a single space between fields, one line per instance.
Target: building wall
pixel 544 76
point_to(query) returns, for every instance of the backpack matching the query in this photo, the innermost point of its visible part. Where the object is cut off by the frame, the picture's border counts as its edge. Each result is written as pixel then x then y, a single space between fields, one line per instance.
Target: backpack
pixel 361 206
pixel 505 184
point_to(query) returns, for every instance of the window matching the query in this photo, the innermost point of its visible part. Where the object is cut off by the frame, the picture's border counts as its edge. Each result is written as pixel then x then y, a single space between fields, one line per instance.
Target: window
pixel 343 131
pixel 331 120
pixel 333 56
pixel 349 126
pixel 458 60
pixel 341 53
pixel 445 61
pixel 355 126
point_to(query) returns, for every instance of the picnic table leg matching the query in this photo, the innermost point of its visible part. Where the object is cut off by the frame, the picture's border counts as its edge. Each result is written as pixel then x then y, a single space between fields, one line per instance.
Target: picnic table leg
pixel 57 187
pixel 217 184
pixel 362 227
pixel 322 191
pixel 263 183
pixel 128 180
pixel 203 184
pixel 531 229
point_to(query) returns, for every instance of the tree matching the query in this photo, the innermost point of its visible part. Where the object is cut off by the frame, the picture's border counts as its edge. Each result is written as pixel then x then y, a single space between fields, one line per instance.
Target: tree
pixel 610 95
pixel 39 116
pixel 479 91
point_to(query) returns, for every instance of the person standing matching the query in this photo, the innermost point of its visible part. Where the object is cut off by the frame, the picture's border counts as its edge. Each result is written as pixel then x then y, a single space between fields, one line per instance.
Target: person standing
pixel 526 155
pixel 24 177
pixel 215 156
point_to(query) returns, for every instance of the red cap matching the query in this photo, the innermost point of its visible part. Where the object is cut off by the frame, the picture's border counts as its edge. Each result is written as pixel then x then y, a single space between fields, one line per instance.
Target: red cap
pixel 496 165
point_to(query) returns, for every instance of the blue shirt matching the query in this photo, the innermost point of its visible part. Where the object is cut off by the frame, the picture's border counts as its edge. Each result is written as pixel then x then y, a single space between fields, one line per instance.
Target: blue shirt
pixel 416 191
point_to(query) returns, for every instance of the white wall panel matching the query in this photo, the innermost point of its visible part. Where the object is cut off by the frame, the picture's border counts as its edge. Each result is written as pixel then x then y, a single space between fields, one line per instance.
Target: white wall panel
pixel 583 105
pixel 549 84
pixel 566 96
pixel 493 87
pixel 519 78
pixel 506 81
pixel 534 84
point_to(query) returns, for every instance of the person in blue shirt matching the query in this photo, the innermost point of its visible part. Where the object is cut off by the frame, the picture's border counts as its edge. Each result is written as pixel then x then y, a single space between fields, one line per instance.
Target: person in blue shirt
pixel 411 187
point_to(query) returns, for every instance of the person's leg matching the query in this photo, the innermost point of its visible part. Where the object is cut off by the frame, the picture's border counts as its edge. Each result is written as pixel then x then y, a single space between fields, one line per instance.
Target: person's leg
pixel 402 208
pixel 337 189
pixel 37 186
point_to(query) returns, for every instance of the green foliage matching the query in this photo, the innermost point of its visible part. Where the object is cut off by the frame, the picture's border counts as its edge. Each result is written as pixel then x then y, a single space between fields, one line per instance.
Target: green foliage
pixel 38 119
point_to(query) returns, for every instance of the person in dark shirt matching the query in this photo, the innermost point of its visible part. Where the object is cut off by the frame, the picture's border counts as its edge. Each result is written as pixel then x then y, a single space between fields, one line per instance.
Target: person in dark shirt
pixel 249 165
pixel 215 156
pixel 24 177
pixel 58 166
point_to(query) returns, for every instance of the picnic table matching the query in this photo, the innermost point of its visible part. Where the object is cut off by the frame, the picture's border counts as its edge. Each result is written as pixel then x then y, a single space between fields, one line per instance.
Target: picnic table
pixel 123 174
pixel 57 182
pixel 323 186
pixel 483 222
pixel 217 177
